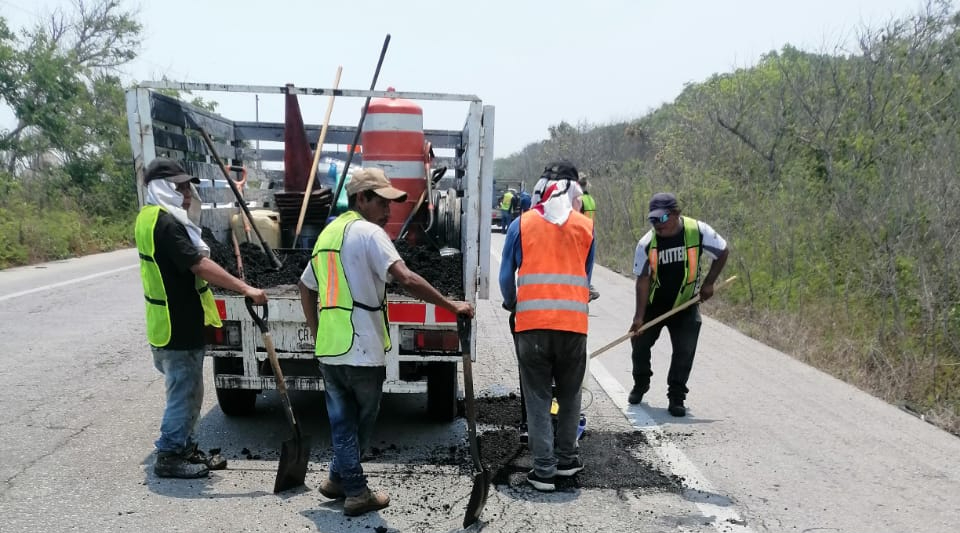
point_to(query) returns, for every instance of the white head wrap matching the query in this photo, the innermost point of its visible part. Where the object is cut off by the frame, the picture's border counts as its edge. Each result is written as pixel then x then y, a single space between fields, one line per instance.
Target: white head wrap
pixel 164 194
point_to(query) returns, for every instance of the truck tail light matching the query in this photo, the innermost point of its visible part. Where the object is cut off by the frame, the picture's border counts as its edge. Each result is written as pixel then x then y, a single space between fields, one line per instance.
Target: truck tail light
pixel 226 337
pixel 431 340
pixel 437 341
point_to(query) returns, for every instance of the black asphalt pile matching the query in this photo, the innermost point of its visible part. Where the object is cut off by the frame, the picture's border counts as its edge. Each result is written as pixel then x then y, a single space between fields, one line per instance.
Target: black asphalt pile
pixel 444 273
pixel 610 458
pixel 258 271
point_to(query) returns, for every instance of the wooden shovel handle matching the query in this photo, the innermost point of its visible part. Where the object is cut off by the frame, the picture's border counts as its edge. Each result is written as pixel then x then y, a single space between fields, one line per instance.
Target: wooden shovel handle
pixel 658 320
pixel 316 158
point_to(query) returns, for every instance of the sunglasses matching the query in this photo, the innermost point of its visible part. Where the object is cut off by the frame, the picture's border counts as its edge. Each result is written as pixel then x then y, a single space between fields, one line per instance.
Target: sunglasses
pixel 660 219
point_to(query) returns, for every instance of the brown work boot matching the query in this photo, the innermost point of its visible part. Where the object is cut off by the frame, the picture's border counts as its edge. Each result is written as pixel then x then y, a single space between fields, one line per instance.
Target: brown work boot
pixel 331 489
pixel 364 503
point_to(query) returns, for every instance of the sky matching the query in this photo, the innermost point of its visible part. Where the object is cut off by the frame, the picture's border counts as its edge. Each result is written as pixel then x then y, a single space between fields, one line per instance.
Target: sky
pixel 538 62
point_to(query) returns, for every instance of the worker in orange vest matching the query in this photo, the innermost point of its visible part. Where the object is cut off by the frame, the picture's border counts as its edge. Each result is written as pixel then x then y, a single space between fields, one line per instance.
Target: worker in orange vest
pixel 545 272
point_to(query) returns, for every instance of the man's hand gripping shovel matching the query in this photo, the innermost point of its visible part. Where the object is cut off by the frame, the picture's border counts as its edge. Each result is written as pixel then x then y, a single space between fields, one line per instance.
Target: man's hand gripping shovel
pixel 658 320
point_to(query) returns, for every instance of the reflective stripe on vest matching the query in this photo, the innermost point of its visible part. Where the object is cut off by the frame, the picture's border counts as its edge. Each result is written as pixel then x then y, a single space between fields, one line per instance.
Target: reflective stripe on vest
pixel 589 205
pixel 552 286
pixel 335 304
pixel 159 330
pixel 691 262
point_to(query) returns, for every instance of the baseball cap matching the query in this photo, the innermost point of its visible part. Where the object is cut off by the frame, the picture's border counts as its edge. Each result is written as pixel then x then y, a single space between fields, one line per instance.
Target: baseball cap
pixel 373 179
pixel 167 169
pixel 559 170
pixel 661 203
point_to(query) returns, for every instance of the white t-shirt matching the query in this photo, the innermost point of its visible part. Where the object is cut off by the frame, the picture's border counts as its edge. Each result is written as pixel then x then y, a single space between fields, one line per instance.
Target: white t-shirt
pixel 366 255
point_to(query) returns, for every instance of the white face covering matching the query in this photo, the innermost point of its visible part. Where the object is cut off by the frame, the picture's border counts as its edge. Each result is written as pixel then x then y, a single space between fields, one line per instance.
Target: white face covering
pixel 563 197
pixel 164 194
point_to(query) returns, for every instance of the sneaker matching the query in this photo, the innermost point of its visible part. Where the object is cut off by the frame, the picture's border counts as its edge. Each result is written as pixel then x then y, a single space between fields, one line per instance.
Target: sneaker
pixel 524 435
pixel 543 484
pixel 594 294
pixel 677 408
pixel 173 464
pixel 366 502
pixel 331 489
pixel 571 468
pixel 636 395
pixel 214 461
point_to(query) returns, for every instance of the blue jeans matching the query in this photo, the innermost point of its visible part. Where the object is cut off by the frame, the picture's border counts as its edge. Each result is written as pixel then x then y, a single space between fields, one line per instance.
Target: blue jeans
pixel 183 376
pixel 551 360
pixel 353 403
pixel 505 219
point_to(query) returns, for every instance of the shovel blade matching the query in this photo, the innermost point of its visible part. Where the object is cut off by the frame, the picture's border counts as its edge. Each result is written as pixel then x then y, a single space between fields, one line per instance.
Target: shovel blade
pixel 478 497
pixel 292 470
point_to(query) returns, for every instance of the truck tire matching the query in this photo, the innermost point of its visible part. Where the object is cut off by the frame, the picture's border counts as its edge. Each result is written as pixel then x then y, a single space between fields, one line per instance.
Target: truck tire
pixel 442 391
pixel 234 402
pixel 237 402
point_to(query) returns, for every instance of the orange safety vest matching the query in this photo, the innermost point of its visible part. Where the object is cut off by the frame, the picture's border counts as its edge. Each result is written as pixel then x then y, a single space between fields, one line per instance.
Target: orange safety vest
pixel 552 286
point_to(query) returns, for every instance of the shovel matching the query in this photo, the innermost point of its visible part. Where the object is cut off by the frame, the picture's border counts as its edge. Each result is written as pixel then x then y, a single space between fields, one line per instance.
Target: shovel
pixel 481 477
pixel 657 320
pixel 295 452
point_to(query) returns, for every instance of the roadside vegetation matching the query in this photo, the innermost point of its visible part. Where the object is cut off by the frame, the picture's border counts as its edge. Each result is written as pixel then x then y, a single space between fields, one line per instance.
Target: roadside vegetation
pixel 834 177
pixel 65 186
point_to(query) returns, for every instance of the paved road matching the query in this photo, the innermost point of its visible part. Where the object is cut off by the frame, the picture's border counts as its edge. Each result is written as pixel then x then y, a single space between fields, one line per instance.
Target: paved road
pixel 771 444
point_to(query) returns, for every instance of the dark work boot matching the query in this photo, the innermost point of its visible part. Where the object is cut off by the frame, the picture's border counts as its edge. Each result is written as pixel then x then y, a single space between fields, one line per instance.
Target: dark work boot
pixel 677 408
pixel 173 464
pixel 214 461
pixel 636 395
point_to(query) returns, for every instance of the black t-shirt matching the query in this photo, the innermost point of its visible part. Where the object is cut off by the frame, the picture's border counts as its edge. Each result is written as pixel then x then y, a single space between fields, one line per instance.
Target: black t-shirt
pixel 175 254
pixel 671 255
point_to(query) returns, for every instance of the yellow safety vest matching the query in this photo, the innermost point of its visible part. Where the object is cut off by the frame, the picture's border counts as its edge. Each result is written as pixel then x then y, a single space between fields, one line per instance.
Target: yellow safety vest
pixel 335 304
pixel 505 203
pixel 691 262
pixel 155 294
pixel 589 205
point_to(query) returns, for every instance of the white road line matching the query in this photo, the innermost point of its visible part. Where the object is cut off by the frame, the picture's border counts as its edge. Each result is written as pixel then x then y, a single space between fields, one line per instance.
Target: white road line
pixel 68 282
pixel 697 489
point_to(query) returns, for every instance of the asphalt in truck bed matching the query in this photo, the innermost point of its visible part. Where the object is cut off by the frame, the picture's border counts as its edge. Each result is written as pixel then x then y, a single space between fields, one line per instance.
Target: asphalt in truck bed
pixel 445 273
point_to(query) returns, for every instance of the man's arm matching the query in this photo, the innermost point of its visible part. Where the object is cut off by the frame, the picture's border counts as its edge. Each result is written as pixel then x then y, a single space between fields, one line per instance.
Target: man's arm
pixel 308 301
pixel 642 292
pixel 215 274
pixel 591 257
pixel 706 288
pixel 509 265
pixel 420 288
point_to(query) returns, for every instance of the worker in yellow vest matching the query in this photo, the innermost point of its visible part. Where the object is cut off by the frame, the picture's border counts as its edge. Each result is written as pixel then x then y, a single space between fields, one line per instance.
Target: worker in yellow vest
pixel 588 206
pixel 343 294
pixel 175 268
pixel 545 274
pixel 505 213
pixel 667 266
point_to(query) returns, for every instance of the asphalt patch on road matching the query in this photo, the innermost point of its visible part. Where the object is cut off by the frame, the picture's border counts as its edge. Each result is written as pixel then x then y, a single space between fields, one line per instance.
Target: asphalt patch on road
pixel 612 460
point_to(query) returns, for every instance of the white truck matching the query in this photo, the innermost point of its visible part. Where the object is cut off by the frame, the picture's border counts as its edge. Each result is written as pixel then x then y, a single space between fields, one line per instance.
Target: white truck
pixel 425 353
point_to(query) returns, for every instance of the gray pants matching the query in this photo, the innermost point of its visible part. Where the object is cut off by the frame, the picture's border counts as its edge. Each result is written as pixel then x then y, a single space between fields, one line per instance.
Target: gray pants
pixel 551 359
